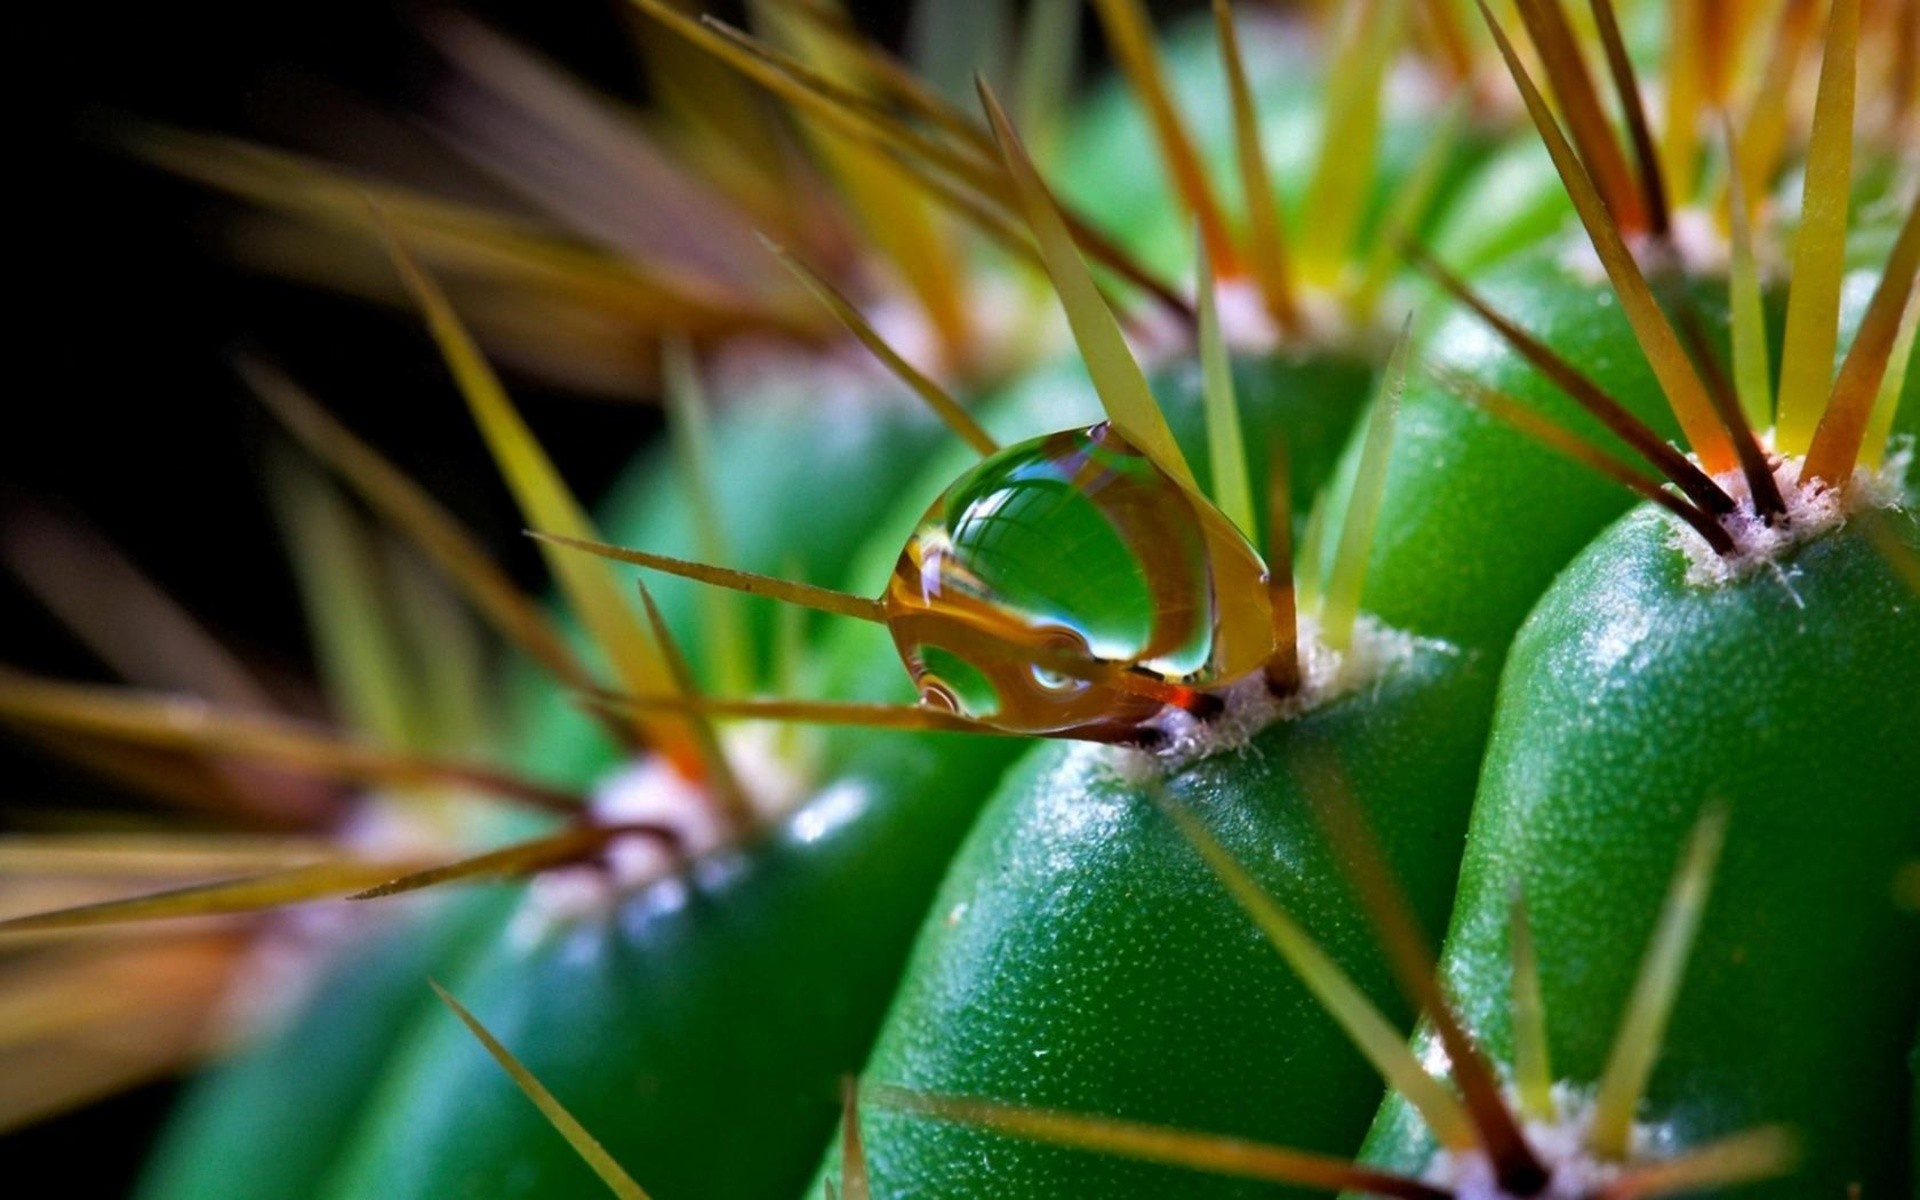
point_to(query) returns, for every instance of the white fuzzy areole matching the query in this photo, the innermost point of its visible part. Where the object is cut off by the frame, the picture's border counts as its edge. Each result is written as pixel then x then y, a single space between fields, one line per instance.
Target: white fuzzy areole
pixel 648 791
pixel 289 958
pixel 1811 511
pixel 1326 675
pixel 286 962
pixel 1694 245
pixel 1561 1145
pixel 1248 328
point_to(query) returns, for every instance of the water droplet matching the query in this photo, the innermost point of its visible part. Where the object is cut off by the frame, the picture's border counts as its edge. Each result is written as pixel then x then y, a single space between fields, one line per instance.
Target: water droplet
pixel 1057 584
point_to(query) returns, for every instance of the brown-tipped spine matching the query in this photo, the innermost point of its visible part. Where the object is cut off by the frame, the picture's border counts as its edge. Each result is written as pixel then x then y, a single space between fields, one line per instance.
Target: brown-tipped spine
pixel 1690 479
pixel 1283 666
pixel 1646 156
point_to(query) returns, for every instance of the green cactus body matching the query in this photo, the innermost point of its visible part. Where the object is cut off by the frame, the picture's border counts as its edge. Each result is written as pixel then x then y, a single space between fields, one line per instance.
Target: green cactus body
pixel 770 963
pixel 268 1124
pixel 1631 697
pixel 1478 518
pixel 1080 956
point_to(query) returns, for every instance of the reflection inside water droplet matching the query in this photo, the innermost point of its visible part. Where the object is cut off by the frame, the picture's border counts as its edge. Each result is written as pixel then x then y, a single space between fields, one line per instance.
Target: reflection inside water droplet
pixel 1064 583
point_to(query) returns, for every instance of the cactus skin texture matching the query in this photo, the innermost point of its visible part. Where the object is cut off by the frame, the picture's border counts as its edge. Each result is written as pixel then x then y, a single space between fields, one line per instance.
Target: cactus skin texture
pixel 1791 697
pixel 1081 956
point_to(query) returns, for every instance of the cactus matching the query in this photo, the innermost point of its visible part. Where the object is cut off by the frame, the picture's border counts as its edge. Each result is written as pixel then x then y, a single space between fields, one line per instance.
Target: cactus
pixel 1330 638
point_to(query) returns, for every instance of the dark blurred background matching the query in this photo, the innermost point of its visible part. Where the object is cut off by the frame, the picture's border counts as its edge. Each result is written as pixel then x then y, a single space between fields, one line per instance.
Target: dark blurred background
pixel 123 411
pixel 132 418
